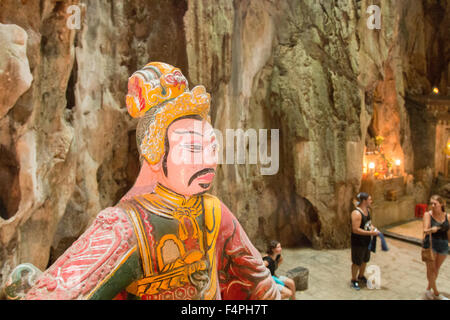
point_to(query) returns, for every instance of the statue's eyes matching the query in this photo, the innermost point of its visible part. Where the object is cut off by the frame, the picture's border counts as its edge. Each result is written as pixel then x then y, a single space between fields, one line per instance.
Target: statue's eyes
pixel 195 147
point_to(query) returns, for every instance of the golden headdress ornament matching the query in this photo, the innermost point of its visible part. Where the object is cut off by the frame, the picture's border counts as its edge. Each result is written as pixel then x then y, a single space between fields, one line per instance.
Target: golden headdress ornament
pixel 158 94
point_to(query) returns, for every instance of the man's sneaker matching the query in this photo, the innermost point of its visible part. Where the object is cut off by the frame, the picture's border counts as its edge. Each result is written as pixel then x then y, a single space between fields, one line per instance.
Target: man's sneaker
pixel 355 285
pixel 363 281
pixel 440 297
pixel 429 294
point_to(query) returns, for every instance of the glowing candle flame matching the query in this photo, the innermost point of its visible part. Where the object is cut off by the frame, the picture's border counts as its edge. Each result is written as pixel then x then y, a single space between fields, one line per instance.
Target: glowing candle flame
pixel 397 162
pixel 435 90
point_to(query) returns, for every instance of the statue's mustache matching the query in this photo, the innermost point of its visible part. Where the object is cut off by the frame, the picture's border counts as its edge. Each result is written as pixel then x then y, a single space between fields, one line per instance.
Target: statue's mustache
pixel 200 173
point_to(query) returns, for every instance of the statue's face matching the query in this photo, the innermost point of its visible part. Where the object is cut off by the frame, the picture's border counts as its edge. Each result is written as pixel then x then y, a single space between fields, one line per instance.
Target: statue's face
pixel 191 162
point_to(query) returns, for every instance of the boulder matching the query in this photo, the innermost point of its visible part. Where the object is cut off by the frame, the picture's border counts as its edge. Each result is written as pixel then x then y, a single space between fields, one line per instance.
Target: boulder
pixel 445 190
pixel 15 75
pixel 300 276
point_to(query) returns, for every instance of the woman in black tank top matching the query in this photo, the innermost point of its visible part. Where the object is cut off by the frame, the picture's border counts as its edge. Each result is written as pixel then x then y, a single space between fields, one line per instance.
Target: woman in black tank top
pixel 436 225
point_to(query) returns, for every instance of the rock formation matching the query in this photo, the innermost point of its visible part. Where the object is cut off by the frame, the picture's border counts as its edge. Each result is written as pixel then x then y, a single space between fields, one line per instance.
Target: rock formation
pixel 312 69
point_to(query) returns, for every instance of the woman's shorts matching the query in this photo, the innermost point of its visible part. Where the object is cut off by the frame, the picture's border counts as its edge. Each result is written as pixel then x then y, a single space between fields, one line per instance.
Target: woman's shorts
pixel 440 246
pixel 280 281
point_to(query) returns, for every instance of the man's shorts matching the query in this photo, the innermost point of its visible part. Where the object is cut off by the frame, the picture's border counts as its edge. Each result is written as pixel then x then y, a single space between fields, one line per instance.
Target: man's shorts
pixel 360 255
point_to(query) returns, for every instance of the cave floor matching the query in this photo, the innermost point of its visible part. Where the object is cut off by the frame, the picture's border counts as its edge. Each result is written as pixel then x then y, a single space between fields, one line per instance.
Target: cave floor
pixel 411 231
pixel 403 274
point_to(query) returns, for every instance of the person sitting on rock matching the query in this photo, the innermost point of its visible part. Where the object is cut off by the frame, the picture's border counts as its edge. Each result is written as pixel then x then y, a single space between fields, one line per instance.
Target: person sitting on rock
pixel 272 260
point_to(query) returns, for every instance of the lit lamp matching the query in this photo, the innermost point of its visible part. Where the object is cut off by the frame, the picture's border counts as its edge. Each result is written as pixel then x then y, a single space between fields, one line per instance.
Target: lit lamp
pixel 436 90
pixel 397 167
pixel 371 168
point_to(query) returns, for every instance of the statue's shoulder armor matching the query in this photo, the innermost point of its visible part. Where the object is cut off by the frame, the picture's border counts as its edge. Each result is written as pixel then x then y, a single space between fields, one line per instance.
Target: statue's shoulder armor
pixel 209 199
pixel 90 261
pixel 213 216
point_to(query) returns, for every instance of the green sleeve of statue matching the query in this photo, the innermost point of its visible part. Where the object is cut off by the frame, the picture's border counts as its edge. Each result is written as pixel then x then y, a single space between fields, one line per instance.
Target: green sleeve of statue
pixel 127 273
pixel 99 265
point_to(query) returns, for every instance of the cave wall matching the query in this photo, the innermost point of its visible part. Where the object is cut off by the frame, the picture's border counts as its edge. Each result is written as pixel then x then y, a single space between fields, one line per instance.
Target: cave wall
pixel 311 69
pixel 68 141
pixel 316 71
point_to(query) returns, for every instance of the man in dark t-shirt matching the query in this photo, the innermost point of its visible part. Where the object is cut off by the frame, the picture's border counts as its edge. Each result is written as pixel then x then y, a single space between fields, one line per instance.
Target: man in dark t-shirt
pixel 362 230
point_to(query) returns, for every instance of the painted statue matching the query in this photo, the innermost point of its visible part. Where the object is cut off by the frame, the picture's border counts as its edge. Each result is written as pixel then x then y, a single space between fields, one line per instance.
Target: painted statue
pixel 168 239
pixel 20 280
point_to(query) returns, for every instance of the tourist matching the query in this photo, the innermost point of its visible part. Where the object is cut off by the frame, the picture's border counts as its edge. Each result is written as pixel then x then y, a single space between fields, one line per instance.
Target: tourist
pixel 435 223
pixel 362 230
pixel 272 260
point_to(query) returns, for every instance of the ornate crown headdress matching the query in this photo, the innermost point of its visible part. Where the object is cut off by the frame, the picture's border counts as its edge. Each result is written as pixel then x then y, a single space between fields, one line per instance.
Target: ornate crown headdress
pixel 158 94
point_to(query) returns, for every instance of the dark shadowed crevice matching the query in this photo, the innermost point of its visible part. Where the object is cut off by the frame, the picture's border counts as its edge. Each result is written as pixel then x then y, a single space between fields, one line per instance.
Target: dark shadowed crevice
pixel 261 229
pixel 9 184
pixel 59 7
pixel 112 186
pixel 312 227
pixel 70 91
pixel 303 242
pixel 165 41
pixel 104 180
pixel 56 252
pixel 133 167
pixel 423 136
pixel 436 51
pixel 311 214
pixel 72 224
pixel 3 211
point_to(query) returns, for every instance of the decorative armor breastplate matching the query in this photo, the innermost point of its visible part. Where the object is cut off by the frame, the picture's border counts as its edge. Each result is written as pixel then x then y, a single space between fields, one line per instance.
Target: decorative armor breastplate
pixel 176 238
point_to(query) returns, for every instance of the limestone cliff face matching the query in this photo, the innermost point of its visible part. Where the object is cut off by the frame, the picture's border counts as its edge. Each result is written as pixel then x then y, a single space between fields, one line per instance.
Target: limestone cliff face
pixel 317 72
pixel 311 69
pixel 67 144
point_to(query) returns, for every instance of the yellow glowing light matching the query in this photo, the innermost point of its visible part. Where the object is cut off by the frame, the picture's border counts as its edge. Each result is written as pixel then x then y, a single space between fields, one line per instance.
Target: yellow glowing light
pixel 397 162
pixel 435 90
pixel 371 165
